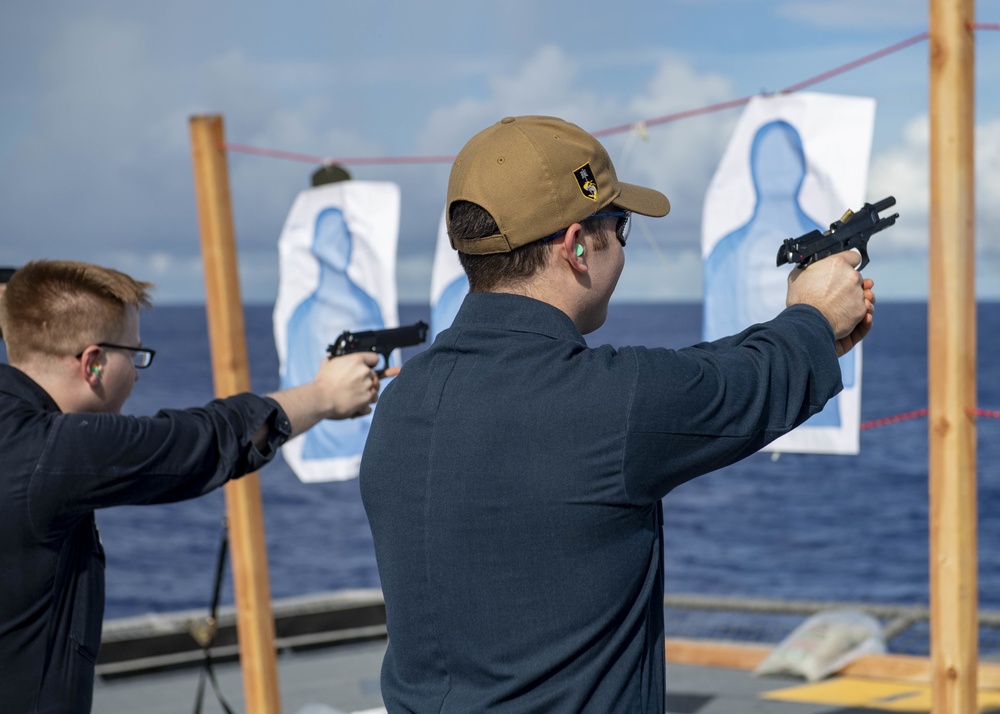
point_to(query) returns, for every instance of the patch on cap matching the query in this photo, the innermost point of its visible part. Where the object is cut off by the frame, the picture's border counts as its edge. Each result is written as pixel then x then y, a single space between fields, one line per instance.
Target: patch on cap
pixel 585 177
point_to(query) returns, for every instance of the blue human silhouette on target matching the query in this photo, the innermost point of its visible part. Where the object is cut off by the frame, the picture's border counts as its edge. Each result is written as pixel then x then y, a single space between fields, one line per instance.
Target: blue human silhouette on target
pixel 742 285
pixel 337 304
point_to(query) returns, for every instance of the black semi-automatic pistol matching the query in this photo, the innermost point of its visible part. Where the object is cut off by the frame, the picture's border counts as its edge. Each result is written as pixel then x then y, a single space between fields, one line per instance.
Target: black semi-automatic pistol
pixel 852 231
pixel 382 342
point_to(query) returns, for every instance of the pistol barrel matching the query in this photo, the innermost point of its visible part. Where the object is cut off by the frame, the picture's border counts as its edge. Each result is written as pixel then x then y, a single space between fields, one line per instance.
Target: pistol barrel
pixel 884 204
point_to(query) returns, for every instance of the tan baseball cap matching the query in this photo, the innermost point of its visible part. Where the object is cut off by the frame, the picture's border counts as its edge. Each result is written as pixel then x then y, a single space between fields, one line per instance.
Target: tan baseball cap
pixel 535 176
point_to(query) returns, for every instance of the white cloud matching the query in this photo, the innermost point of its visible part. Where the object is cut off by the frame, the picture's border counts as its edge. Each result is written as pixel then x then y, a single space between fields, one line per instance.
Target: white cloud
pixel 107 167
pixel 988 188
pixel 904 171
pixel 677 158
pixel 96 157
pixel 177 279
pixel 545 83
pixel 546 79
pixel 680 157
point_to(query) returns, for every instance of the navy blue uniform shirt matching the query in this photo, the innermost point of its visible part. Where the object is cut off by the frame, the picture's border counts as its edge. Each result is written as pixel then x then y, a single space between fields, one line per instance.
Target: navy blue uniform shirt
pixel 513 476
pixel 55 470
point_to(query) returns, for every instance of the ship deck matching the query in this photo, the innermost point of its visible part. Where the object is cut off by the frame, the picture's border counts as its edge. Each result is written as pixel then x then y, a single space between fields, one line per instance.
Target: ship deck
pixel 330 651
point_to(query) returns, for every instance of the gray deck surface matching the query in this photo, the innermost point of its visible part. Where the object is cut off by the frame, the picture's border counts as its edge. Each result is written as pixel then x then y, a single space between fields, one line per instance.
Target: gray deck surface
pixel 323 681
pixel 345 679
pixel 331 647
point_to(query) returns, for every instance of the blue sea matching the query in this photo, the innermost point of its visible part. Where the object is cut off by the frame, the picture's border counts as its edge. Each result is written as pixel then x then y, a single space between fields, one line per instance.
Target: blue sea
pixel 841 528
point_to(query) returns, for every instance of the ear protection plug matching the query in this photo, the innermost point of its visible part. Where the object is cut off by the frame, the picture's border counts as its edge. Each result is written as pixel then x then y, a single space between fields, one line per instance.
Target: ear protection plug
pixel 579 250
pixel 95 369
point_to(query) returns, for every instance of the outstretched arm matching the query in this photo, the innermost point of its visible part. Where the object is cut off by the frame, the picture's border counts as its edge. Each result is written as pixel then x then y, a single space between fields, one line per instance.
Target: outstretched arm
pixel 343 387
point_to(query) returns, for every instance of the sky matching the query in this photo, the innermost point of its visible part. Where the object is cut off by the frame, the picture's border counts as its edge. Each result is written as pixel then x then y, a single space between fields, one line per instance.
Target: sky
pixel 95 158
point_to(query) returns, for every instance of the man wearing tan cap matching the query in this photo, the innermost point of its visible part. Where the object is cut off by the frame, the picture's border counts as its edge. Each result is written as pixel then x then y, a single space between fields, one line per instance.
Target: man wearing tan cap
pixel 513 475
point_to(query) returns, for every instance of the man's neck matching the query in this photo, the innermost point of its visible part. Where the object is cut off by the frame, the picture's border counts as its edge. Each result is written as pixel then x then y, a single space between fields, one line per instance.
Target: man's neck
pixel 51 375
pixel 543 291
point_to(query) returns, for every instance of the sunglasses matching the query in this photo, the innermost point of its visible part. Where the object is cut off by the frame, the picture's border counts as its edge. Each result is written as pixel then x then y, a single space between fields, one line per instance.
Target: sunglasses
pixel 622 228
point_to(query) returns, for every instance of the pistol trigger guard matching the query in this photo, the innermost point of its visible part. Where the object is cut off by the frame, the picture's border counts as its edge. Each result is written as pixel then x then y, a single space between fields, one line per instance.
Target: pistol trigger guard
pixel 864 258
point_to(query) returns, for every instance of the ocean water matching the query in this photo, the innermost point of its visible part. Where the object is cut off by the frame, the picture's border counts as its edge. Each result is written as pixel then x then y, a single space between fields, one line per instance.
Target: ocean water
pixel 842 528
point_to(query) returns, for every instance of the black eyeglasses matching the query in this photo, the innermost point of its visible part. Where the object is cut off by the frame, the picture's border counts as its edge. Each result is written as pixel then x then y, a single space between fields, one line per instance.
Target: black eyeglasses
pixel 622 228
pixel 142 357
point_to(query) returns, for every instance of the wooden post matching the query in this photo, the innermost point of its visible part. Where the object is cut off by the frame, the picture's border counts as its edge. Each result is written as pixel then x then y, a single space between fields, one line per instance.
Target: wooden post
pixel 952 360
pixel 255 621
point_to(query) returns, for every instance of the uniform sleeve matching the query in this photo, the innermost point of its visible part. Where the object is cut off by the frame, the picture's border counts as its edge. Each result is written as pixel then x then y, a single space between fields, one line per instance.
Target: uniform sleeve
pixel 701 408
pixel 97 460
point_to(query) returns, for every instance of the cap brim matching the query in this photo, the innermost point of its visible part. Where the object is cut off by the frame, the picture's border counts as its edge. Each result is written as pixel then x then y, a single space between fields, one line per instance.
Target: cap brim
pixel 642 200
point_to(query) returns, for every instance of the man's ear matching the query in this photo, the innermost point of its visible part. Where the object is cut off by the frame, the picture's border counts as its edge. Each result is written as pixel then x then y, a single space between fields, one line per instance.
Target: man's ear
pixel 91 364
pixel 573 248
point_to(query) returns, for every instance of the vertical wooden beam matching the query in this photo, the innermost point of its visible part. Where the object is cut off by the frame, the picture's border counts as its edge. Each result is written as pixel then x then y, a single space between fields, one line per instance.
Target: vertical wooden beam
pixel 230 368
pixel 952 359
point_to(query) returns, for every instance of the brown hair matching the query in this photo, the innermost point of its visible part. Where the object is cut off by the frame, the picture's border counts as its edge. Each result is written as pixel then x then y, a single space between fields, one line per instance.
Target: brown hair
pixel 487 272
pixel 58 307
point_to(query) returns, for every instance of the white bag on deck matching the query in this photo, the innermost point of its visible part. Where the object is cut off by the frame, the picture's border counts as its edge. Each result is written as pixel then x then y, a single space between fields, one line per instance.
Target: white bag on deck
pixel 825 643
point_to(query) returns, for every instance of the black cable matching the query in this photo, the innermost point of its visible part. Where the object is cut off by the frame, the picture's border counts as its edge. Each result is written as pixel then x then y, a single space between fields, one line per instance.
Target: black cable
pixel 208 671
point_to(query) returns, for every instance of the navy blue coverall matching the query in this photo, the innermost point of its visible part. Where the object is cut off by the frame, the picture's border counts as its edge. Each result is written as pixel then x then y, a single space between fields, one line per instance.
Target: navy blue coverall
pixel 55 470
pixel 513 476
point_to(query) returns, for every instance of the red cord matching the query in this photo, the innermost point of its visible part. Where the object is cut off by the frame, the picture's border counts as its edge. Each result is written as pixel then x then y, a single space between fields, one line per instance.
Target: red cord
pixel 323 160
pixel 893 419
pixel 359 161
pixel 857 63
pixel 989 413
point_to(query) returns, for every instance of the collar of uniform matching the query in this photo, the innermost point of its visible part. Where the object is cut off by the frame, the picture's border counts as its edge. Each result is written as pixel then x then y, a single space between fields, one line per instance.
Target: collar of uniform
pixel 19 385
pixel 517 313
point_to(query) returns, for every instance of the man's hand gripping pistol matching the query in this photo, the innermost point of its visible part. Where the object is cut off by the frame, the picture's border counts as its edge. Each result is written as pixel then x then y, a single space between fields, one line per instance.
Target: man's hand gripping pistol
pixel 382 342
pixel 851 232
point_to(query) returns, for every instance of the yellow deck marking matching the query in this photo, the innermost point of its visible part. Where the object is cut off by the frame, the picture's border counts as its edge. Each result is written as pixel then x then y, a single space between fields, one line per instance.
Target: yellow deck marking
pixel 870 693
